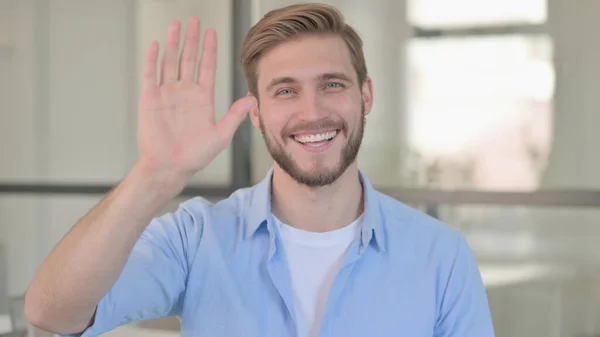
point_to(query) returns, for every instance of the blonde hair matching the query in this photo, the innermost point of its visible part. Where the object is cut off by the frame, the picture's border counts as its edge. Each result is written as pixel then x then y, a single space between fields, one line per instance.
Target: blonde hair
pixel 287 23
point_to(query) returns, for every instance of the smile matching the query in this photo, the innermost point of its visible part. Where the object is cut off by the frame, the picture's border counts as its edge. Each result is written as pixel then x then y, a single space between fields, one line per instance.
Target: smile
pixel 315 141
pixel 315 138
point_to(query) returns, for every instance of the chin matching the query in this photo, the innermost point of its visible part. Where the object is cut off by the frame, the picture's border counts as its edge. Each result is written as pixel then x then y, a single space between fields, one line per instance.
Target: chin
pixel 312 169
pixel 315 176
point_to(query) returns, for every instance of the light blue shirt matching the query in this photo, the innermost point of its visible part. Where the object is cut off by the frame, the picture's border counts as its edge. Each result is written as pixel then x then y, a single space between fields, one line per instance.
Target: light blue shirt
pixel 221 268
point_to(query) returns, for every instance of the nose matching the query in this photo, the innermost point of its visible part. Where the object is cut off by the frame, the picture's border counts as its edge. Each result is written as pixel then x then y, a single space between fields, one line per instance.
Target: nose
pixel 311 108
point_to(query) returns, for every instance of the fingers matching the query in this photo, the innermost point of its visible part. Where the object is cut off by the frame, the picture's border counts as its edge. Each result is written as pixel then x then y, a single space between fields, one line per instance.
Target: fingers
pixel 174 69
pixel 189 55
pixel 171 53
pixel 232 120
pixel 208 64
pixel 149 79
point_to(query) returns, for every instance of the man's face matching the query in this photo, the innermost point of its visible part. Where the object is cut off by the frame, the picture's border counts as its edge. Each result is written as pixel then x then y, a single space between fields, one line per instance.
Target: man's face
pixel 311 109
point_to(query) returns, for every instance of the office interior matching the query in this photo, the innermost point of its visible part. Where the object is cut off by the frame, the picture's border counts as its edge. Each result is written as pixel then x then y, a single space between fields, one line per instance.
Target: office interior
pixel 486 115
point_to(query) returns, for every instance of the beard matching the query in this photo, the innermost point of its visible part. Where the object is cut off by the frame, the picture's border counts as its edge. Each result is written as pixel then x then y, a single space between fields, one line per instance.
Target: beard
pixel 321 175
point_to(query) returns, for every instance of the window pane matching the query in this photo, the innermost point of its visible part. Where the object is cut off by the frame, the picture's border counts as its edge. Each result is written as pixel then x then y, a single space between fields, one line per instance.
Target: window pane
pixel 480 111
pixel 444 13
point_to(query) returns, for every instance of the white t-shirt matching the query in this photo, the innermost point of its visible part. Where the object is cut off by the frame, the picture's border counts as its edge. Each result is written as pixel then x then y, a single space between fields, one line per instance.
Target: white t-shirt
pixel 314 260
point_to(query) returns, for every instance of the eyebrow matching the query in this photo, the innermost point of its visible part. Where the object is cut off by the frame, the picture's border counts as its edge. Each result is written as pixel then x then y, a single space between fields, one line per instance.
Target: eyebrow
pixel 322 77
pixel 335 76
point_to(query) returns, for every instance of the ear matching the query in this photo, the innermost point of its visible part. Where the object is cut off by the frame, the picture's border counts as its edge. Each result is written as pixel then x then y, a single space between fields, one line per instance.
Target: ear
pixel 367 94
pixel 254 115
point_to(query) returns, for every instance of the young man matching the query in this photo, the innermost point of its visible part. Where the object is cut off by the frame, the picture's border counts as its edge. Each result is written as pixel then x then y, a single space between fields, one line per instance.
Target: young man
pixel 313 250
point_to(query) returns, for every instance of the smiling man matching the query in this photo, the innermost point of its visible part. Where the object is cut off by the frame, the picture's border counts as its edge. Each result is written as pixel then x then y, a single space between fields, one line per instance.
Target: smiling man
pixel 312 250
pixel 317 107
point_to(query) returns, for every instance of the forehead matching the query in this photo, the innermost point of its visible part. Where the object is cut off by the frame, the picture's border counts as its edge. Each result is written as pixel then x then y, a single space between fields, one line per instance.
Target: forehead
pixel 305 59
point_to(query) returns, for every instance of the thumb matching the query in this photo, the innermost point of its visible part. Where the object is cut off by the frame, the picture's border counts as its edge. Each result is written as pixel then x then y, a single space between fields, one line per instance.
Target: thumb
pixel 234 117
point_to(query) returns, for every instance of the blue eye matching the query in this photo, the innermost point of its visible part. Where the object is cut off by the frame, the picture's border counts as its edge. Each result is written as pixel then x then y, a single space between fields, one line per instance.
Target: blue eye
pixel 334 85
pixel 284 92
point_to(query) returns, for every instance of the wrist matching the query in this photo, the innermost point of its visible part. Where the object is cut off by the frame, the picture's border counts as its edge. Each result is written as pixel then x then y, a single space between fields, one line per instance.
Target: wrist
pixel 160 183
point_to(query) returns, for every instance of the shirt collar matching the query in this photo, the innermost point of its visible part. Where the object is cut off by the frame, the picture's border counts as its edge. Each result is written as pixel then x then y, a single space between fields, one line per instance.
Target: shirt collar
pixel 259 212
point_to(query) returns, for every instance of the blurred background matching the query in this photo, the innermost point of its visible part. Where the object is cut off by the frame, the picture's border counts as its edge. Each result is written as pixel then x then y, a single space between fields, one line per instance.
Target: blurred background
pixel 486 115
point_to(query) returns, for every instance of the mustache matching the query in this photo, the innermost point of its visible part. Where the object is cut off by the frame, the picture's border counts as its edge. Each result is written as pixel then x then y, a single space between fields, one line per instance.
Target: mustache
pixel 314 126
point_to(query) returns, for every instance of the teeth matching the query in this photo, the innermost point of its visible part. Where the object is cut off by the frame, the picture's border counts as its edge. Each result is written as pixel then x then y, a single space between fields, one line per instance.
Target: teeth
pixel 315 138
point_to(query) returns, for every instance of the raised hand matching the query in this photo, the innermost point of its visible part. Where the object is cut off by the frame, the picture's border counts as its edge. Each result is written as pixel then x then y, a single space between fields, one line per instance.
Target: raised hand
pixel 177 130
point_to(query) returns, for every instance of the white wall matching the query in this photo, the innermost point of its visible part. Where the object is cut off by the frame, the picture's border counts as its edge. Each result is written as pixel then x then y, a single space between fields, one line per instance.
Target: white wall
pixel 20 139
pixel 574 162
pixel 17 99
pixel 89 83
pixel 575 159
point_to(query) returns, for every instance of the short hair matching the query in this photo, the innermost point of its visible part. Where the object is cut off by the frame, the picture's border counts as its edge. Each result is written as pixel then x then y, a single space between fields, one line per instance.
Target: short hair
pixel 296 21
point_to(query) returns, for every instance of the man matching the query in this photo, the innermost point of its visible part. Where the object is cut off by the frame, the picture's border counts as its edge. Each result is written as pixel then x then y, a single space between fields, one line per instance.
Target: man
pixel 313 250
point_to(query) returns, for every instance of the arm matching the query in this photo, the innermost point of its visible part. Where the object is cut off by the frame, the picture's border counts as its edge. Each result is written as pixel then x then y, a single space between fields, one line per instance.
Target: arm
pixel 93 274
pixel 88 261
pixel 464 308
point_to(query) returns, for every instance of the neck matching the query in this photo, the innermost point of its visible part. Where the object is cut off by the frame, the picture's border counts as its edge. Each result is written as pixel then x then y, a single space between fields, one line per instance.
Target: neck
pixel 317 209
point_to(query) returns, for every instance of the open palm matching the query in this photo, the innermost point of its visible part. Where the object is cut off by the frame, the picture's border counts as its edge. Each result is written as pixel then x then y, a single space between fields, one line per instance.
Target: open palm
pixel 177 129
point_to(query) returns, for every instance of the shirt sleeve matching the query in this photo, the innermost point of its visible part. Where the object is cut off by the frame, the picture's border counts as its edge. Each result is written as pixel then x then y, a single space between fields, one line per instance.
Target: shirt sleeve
pixel 464 309
pixel 152 284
